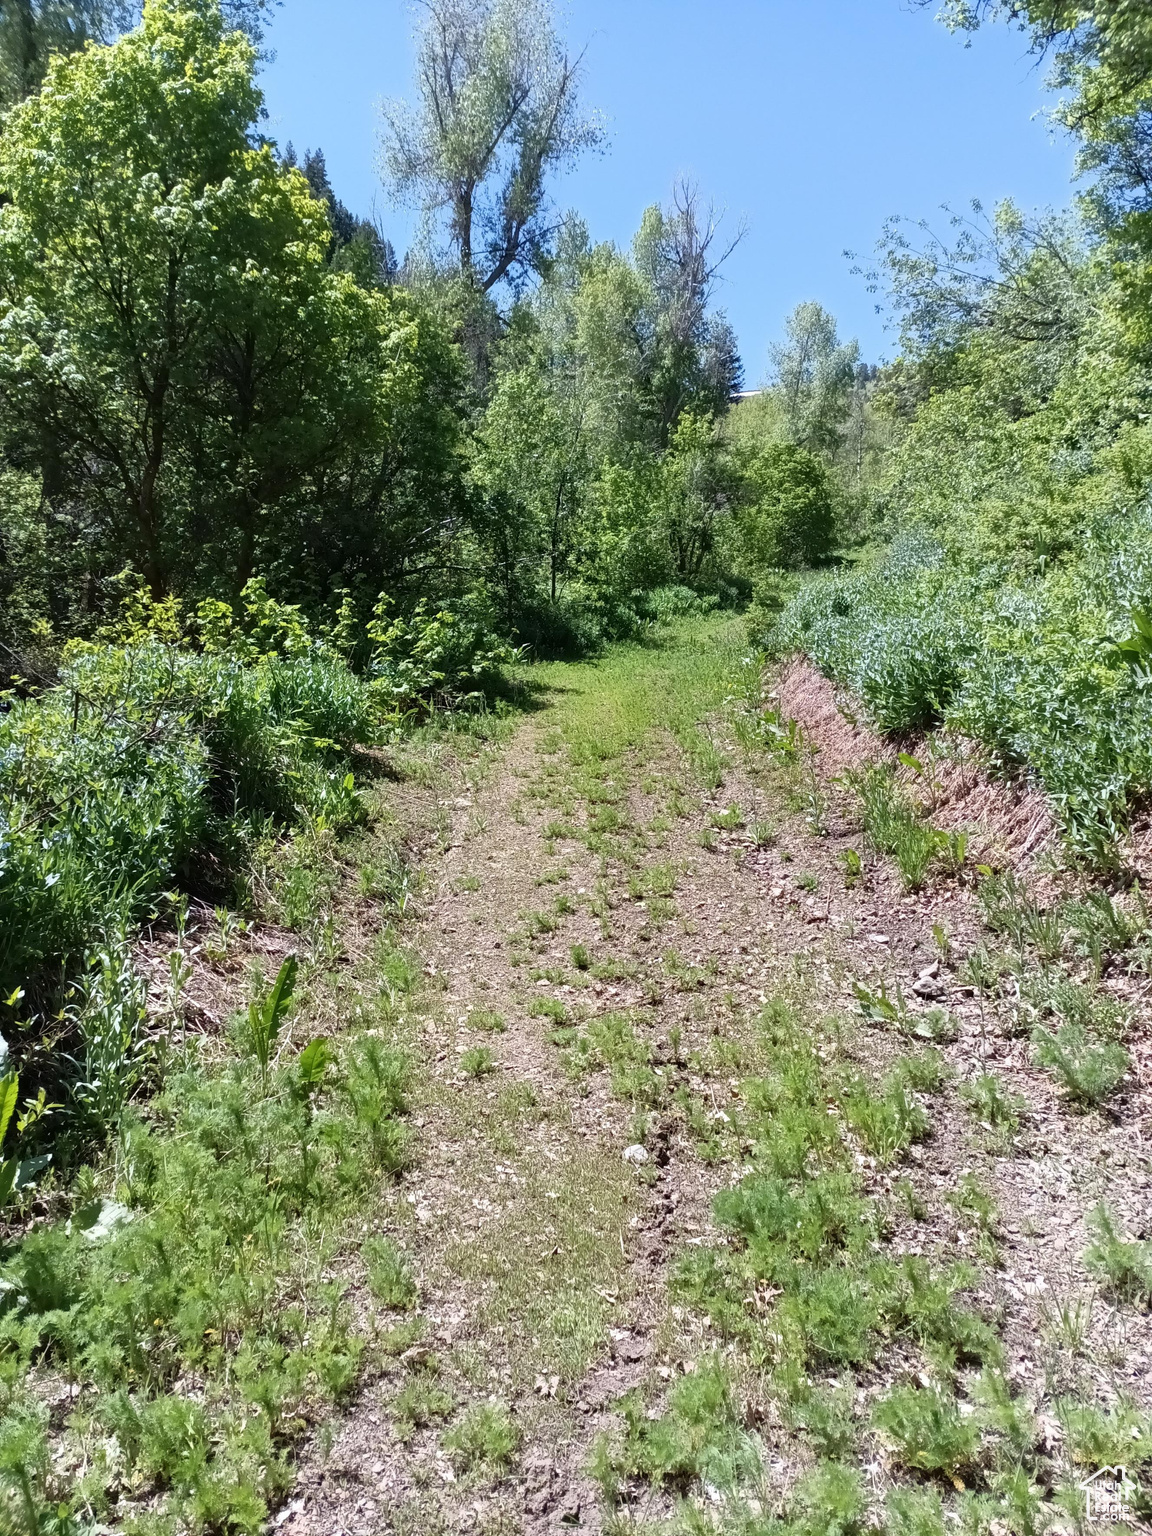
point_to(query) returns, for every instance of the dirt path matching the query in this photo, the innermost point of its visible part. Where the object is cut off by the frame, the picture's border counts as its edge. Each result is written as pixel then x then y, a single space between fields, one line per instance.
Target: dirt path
pixel 599 930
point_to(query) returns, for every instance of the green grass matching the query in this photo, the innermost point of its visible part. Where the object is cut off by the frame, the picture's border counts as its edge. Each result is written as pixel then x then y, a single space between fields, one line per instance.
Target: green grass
pixel 635 693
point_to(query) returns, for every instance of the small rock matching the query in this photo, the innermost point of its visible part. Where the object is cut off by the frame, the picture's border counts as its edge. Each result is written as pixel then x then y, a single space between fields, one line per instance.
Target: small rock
pixel 636 1154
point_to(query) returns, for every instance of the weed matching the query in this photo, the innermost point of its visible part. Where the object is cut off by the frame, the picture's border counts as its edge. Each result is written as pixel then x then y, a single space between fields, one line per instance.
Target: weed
pixel 388 878
pixel 926 1072
pixel 580 957
pixel 1106 1437
pixel 806 881
pixel 830 1501
pixel 1090 1072
pixel 484 1442
pixel 1085 1007
pixel 893 827
pixel 266 1016
pixel 389 1277
pixel 915 1512
pixel 929 1432
pixel 487 1020
pixel 731 819
pixel 985 968
pixel 853 866
pixel 1100 927
pixel 540 922
pixel 468 884
pixel 887 1123
pixel 971 1199
pixel 420 1403
pixel 699 1437
pixel 824 1415
pixel 111 1024
pixel 1124 1266
pixel 764 834
pixel 477 1061
pixel 548 1008
pixel 993 1103
pixel 1068 1321
pixel 611 1041
pixel 706 838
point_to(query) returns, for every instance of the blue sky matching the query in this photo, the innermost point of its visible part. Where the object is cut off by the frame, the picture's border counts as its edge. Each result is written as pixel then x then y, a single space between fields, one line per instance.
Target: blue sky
pixel 813 120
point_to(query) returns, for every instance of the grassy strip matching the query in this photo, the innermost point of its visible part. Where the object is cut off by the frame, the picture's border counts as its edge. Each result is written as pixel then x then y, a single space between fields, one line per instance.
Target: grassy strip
pixel 182 1316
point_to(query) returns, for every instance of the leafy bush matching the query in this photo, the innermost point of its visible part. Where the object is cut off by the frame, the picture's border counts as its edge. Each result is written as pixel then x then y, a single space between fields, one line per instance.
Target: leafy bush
pixel 149 762
pixel 1034 665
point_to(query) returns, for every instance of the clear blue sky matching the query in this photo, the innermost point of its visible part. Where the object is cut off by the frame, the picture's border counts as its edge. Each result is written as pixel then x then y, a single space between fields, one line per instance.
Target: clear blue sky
pixel 812 119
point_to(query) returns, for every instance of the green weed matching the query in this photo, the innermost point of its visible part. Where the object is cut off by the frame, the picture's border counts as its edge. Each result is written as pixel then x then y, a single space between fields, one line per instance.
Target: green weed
pixel 487 1020
pixel 484 1442
pixel 1090 1072
pixel 420 1403
pixel 928 1431
pixel 477 1061
pixel 389 1276
pixel 1123 1265
pixel 993 1103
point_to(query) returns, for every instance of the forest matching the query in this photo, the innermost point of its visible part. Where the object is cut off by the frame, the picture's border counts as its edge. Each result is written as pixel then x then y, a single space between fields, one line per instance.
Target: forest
pixel 282 508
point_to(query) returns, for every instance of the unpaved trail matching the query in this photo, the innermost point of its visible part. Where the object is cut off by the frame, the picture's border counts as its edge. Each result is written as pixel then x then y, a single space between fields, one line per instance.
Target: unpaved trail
pixel 599 930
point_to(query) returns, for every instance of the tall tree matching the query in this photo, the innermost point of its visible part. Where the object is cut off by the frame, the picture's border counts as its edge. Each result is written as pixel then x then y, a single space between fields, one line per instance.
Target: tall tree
pixel 498 113
pixel 358 246
pixel 196 388
pixel 813 377
pixel 694 363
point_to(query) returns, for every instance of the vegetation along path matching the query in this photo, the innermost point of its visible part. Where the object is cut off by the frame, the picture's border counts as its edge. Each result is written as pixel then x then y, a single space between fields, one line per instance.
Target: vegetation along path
pixel 736 1197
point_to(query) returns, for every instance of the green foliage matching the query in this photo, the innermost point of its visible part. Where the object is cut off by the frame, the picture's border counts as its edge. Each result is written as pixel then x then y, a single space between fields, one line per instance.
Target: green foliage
pixel 894 826
pixel 698 1437
pixel 830 1501
pixel 484 1441
pixel 265 1017
pixel 477 1061
pixel 149 758
pixel 389 1277
pixel 223 1193
pixel 790 509
pixel 1089 1071
pixel 928 1430
pixel 1124 1266
pixel 247 408
pixel 993 1103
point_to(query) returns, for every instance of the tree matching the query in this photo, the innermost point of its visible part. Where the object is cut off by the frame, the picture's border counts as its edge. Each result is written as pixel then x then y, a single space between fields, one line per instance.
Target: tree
pixel 1104 44
pixel 194 386
pixel 357 246
pixel 694 363
pixel 31 31
pixel 813 376
pixel 788 511
pixel 498 113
